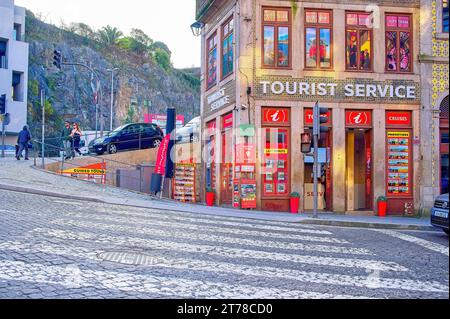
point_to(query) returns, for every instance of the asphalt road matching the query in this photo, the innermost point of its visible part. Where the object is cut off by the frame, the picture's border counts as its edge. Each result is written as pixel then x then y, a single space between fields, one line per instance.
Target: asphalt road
pixel 55 248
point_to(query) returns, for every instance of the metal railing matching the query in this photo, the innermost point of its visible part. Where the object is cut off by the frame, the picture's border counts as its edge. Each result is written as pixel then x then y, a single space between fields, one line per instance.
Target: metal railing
pixel 118 176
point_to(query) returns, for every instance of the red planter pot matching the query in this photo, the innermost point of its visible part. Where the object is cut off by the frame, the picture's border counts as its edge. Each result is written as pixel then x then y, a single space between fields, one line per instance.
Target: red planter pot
pixel 210 199
pixel 295 205
pixel 382 208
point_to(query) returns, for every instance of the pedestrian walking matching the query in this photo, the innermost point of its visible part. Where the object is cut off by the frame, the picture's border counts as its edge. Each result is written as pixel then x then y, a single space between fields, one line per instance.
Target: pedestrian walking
pixel 66 137
pixel 76 138
pixel 23 140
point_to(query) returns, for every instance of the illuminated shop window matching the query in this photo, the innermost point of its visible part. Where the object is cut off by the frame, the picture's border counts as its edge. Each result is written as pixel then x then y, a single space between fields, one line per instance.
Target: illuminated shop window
pixel 227 48
pixel 398 43
pixel 212 60
pixel 318 39
pixel 276 44
pixel 358 48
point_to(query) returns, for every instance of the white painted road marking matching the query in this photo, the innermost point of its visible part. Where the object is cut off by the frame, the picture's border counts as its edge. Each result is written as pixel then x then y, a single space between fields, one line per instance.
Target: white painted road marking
pixel 148 284
pixel 190 233
pixel 223 251
pixel 209 228
pixel 418 241
pixel 239 269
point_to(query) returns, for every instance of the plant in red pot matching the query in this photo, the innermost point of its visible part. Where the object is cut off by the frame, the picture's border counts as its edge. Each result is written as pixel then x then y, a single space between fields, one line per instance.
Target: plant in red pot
pixel 210 197
pixel 295 203
pixel 382 206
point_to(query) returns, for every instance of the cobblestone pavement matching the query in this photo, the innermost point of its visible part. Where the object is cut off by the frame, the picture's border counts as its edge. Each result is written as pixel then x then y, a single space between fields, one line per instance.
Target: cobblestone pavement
pixel 59 248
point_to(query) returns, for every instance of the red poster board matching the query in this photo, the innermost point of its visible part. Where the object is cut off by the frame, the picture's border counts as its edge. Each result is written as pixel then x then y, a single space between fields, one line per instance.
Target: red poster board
pixel 309 118
pixel 248 194
pixel 399 119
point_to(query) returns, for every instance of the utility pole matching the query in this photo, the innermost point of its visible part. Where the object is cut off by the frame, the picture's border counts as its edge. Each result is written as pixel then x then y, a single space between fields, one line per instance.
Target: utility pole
pixel 317 129
pixel 112 96
pixel 4 118
pixel 59 62
pixel 43 127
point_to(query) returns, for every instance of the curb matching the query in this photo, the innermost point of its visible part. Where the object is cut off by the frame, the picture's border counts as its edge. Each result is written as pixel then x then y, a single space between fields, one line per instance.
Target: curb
pixel 351 224
pixel 319 222
pixel 33 191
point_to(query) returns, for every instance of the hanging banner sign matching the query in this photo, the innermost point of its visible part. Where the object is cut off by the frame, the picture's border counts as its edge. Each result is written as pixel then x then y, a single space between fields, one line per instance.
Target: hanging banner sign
pixel 160 167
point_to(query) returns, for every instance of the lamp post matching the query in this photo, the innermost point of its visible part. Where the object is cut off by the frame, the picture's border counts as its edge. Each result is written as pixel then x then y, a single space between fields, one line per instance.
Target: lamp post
pixel 112 96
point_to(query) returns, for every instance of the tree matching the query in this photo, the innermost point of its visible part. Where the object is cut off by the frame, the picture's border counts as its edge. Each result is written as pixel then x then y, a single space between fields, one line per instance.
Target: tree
pixel 162 46
pixel 83 30
pixel 163 59
pixel 110 35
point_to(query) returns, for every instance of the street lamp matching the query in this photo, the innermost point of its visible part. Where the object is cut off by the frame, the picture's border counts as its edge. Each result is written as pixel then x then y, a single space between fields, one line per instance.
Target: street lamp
pixel 112 96
pixel 197 27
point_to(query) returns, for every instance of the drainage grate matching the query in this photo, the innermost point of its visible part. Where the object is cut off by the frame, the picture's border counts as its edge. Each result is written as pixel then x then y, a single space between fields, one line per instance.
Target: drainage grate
pixel 129 258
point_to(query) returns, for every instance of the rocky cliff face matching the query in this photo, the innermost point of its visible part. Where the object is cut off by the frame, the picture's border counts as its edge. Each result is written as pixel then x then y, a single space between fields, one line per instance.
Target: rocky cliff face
pixel 141 85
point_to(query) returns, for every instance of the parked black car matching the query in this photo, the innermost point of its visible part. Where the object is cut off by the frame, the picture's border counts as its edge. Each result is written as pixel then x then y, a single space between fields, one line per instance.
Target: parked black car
pixel 439 213
pixel 128 137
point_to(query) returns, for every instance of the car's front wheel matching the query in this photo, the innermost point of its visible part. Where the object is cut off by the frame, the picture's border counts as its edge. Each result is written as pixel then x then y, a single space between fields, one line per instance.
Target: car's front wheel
pixel 156 143
pixel 112 149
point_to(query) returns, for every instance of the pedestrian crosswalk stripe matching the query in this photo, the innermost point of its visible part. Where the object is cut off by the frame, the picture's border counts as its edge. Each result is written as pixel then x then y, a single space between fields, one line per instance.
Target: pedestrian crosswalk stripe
pixel 209 228
pixel 224 223
pixel 243 270
pixel 223 251
pixel 194 234
pixel 418 241
pixel 73 277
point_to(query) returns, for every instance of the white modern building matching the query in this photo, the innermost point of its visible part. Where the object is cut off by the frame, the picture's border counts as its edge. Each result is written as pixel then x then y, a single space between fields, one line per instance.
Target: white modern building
pixel 13 67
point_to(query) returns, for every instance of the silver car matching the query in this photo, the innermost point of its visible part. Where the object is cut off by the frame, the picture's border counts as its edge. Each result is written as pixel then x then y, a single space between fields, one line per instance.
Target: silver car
pixel 439 213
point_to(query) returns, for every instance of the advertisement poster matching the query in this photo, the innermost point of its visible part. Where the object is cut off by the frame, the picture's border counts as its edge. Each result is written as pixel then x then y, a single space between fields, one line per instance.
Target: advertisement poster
pixel 236 193
pixel 184 187
pixel 161 120
pixel 399 151
pixel 160 167
pixel 93 173
pixel 248 194
pixel 276 163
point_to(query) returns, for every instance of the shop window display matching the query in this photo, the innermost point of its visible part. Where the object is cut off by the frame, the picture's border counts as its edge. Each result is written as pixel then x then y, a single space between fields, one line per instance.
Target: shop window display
pixel 398 43
pixel 318 39
pixel 358 42
pixel 276 33
pixel 212 61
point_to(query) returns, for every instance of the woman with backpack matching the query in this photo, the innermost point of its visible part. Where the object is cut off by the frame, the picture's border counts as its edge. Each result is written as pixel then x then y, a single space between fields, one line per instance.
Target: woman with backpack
pixel 76 138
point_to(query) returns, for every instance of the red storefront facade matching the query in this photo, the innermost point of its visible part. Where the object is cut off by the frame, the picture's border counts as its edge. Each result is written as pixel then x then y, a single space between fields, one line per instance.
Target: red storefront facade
pixel 272 93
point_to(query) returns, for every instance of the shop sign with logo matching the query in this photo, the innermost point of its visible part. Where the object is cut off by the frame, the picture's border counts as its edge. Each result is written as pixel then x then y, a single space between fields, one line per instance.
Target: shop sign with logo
pixel 364 90
pixel 245 153
pixel 309 117
pixel 358 118
pixel 399 118
pixel 276 116
pixel 223 97
pixel 227 121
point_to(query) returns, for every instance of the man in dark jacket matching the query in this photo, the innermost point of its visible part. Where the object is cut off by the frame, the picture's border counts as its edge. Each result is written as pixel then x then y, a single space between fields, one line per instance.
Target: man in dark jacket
pixel 22 141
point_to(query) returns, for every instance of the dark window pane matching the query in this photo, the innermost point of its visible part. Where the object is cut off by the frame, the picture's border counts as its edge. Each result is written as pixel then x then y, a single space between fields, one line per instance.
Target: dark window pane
pixel 352 49
pixel 365 50
pixel 391 50
pixel 445 16
pixel 405 51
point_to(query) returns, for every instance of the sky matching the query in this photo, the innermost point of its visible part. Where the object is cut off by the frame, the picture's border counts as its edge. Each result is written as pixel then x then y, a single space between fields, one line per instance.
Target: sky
pixel 163 20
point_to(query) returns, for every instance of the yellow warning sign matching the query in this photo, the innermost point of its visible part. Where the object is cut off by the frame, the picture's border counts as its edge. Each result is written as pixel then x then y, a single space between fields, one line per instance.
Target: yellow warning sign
pixel 398 134
pixel 276 151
